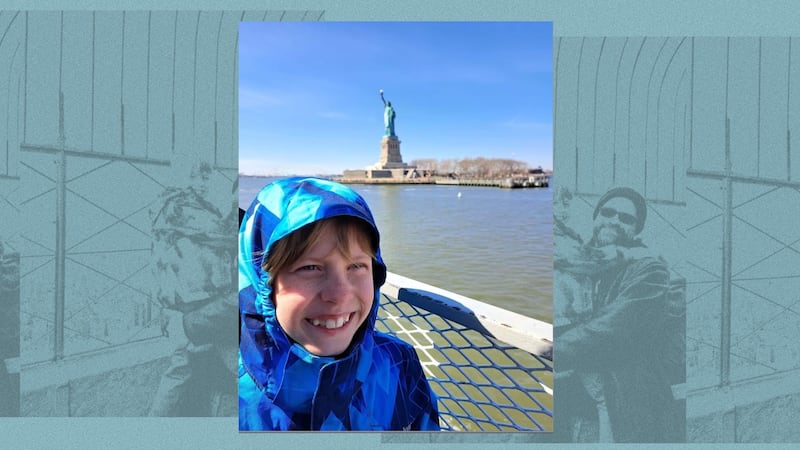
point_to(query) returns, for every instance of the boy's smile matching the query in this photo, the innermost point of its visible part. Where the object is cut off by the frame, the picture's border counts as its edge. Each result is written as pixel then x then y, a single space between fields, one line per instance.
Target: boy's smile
pixel 323 298
pixel 331 322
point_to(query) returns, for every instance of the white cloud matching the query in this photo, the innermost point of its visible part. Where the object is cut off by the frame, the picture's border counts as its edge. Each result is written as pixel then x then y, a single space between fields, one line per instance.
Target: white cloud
pixel 257 99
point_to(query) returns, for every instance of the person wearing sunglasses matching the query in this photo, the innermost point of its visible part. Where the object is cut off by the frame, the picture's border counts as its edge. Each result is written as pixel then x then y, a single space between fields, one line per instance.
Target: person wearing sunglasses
pixel 611 357
pixel 619 217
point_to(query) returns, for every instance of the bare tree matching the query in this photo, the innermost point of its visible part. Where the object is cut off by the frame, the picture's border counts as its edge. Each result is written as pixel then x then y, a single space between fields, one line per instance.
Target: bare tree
pixel 425 164
pixel 479 167
pixel 448 166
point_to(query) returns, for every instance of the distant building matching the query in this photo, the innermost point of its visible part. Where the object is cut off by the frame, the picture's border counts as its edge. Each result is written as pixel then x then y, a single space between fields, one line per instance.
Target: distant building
pixel 536 171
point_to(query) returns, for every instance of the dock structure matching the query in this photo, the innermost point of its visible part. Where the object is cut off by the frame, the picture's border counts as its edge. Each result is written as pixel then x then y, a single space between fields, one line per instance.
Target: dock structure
pixel 508 183
pixel 363 180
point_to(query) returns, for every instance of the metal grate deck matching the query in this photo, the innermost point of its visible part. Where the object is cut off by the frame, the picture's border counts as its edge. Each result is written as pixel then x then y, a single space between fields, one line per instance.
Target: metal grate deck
pixel 483 384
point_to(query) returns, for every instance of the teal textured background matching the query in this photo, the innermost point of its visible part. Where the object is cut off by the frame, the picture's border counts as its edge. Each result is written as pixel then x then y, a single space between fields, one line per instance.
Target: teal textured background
pixel 127 112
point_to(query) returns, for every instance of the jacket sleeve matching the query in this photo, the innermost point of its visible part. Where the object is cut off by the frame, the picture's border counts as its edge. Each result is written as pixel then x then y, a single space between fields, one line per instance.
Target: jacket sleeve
pixel 421 396
pixel 428 420
pixel 623 323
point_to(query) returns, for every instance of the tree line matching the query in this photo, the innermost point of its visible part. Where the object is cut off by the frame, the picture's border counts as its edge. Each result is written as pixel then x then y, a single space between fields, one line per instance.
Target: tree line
pixel 472 167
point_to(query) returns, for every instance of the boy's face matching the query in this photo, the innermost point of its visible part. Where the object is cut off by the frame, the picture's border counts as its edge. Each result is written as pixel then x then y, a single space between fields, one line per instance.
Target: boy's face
pixel 323 298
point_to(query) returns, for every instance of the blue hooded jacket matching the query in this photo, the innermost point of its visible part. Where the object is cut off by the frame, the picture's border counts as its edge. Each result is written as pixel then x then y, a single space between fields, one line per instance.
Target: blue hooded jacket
pixel 377 384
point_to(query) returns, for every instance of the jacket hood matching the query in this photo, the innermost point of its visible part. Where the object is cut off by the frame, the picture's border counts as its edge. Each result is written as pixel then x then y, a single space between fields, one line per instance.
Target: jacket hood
pixel 279 209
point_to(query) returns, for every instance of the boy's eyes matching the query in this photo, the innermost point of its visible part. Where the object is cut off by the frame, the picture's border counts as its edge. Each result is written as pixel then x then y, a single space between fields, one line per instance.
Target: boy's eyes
pixel 317 267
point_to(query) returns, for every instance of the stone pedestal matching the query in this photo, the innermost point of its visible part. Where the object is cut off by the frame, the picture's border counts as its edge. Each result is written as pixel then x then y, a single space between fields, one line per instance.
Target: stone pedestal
pixel 390 153
pixel 390 167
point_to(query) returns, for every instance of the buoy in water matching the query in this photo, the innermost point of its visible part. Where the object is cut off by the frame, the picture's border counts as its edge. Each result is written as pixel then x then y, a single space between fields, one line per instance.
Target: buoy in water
pixel 459 195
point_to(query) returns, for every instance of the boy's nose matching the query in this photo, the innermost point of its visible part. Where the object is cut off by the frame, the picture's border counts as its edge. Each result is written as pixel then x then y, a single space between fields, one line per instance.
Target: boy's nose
pixel 337 287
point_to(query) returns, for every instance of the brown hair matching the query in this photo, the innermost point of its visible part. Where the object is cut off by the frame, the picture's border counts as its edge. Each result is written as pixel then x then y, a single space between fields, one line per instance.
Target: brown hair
pixel 290 248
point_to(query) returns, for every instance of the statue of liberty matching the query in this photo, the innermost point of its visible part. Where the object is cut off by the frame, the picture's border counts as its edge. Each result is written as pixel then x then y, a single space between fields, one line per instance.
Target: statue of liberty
pixel 388 116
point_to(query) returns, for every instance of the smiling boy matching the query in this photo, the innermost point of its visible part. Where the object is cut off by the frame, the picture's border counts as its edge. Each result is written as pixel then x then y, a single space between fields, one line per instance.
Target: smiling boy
pixel 310 270
pixel 325 293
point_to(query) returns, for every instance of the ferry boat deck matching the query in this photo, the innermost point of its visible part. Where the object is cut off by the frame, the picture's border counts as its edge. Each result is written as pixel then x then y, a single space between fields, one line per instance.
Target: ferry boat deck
pixel 491 369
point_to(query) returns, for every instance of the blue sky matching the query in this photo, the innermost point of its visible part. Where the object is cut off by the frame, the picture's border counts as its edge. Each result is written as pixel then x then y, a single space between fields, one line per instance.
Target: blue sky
pixel 309 101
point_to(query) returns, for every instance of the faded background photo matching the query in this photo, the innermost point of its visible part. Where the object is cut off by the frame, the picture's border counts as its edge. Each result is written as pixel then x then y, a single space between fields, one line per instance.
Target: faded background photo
pixel 115 121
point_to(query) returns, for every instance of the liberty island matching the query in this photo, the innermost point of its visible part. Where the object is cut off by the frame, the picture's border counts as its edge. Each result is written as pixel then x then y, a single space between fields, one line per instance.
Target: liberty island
pixel 390 168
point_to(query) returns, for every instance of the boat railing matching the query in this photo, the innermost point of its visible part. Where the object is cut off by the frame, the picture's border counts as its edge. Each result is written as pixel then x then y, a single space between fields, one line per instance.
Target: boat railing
pixel 490 368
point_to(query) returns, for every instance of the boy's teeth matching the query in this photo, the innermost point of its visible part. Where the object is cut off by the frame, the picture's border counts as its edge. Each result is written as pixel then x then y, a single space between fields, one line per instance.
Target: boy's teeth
pixel 331 323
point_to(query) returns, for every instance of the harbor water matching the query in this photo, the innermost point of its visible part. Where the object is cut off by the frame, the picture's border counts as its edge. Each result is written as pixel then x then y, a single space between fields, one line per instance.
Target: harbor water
pixel 494 245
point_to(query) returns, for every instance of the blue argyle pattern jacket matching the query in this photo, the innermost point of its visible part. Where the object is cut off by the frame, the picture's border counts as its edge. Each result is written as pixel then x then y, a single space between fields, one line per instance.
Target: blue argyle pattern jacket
pixel 377 384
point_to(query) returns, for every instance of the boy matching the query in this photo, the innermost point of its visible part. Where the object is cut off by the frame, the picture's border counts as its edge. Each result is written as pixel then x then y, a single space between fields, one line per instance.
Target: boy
pixel 310 270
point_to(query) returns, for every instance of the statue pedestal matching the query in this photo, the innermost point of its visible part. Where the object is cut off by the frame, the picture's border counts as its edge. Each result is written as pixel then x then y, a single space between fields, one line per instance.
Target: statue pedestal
pixel 390 153
pixel 391 165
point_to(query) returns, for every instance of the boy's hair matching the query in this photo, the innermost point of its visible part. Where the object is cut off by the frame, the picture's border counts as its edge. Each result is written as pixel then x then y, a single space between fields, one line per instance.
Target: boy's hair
pixel 290 248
